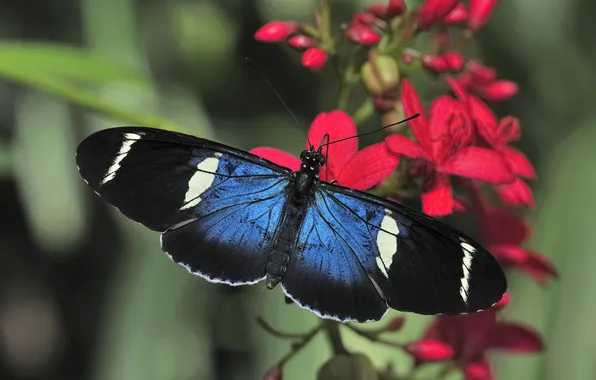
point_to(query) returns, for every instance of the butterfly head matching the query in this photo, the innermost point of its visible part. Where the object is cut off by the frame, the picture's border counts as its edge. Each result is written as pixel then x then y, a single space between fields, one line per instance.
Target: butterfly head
pixel 312 160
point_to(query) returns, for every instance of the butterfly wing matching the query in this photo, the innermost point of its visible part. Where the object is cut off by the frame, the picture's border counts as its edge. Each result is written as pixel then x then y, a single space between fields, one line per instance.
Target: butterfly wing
pixel 218 207
pixel 358 253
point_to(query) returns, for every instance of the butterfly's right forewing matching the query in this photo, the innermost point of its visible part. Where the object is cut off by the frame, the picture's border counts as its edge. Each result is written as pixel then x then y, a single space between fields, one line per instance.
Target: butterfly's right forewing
pixel 218 208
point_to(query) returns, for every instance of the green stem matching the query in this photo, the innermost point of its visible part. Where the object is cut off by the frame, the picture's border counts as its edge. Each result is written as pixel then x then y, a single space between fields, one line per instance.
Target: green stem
pixel 325 23
pixel 334 335
pixel 364 112
pixel 296 347
pixel 86 100
pixel 348 79
pixel 283 335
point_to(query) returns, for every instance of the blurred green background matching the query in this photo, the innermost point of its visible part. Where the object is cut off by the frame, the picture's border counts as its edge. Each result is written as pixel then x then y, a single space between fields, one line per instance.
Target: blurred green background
pixel 87 294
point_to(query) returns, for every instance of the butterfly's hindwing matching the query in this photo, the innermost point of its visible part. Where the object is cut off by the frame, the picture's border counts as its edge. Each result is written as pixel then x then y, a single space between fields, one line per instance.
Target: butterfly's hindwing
pixel 219 207
pixel 326 273
pixel 418 264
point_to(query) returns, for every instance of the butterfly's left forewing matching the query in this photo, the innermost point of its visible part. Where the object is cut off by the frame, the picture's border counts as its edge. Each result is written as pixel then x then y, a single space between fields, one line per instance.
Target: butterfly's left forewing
pixel 387 251
pixel 218 208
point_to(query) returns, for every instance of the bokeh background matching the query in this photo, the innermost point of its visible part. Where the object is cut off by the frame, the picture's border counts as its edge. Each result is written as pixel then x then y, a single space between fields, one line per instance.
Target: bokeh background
pixel 87 294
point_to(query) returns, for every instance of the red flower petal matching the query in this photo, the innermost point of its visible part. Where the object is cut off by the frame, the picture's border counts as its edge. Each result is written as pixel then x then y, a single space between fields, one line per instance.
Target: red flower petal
pixel 480 11
pixel 368 167
pixel 436 197
pixel 515 338
pixel 411 104
pixel 484 119
pixel 516 193
pixel 278 157
pixel 399 144
pixel 518 162
pixel 508 129
pixel 503 302
pixel 429 350
pixel 338 125
pixel 478 370
pixel 479 163
pixel 500 226
pixel 511 255
pixel 457 15
pixel 458 89
pixel 539 267
pixel 442 116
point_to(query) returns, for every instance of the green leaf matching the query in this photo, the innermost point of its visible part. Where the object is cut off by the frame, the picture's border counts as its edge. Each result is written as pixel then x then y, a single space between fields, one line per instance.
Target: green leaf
pixel 64 62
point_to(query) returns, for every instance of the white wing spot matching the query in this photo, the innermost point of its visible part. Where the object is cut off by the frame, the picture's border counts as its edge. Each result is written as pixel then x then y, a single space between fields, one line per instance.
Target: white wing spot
pixel 386 243
pixel 466 268
pixel 200 182
pixel 129 140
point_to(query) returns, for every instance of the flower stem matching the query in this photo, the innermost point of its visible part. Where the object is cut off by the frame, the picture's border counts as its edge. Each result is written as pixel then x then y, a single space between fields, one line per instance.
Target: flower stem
pixel 364 112
pixel 296 347
pixel 334 336
pixel 280 334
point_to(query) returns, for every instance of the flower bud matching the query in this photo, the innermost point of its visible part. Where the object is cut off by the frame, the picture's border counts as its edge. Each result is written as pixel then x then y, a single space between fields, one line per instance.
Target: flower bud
pixel 383 104
pixel 380 74
pixel 498 90
pixel 429 350
pixel 348 367
pixel 480 11
pixel 364 18
pixel 274 373
pixel 457 15
pixel 388 11
pixel 362 35
pixel 434 11
pixel 396 323
pixel 455 61
pixel 435 63
pixel 314 59
pixel 276 31
pixel 301 42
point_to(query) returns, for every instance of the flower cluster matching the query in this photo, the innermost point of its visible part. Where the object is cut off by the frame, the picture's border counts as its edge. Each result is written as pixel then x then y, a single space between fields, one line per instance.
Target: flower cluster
pixel 457 154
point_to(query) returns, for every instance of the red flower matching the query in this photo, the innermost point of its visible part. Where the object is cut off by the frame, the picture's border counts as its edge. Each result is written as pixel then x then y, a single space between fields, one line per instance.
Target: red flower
pixel 503 234
pixel 480 11
pixel 472 335
pixel 497 134
pixel 444 148
pixel 362 35
pixel 434 11
pixel 482 81
pixel 457 15
pixel 276 31
pixel 314 59
pixel 349 167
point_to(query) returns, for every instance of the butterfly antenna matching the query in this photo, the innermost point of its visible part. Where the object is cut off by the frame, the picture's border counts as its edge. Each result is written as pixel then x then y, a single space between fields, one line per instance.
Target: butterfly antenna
pixel 278 97
pixel 375 131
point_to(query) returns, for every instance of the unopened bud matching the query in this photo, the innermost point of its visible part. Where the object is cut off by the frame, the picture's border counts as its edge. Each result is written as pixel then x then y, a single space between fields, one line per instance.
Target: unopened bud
pixel 380 75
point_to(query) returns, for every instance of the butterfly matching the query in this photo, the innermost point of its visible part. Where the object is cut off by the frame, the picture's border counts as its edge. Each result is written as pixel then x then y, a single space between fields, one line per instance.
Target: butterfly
pixel 232 217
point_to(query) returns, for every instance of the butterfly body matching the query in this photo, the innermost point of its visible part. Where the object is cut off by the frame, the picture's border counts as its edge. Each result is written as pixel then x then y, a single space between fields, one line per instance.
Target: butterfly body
pixel 235 218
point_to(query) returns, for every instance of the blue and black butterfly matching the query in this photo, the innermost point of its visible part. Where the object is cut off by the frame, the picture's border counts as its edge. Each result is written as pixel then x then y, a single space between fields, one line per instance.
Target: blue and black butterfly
pixel 235 218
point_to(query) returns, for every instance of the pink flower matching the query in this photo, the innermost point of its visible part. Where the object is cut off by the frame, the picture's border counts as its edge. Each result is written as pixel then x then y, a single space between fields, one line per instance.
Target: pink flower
pixel 444 147
pixel 345 163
